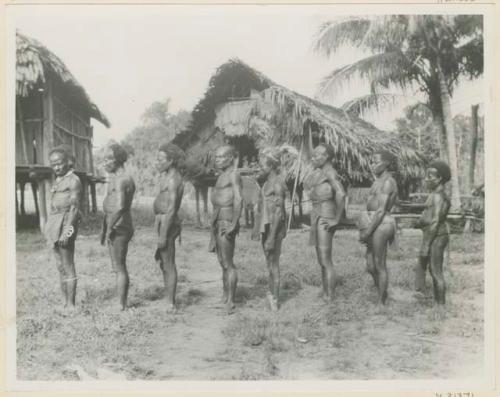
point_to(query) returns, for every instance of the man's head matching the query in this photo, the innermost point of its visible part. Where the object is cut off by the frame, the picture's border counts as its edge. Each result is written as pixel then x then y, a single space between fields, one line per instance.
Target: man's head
pixel 383 160
pixel 437 173
pixel 58 159
pixel 269 160
pixel 169 155
pixel 71 156
pixel 322 154
pixel 114 157
pixel 224 157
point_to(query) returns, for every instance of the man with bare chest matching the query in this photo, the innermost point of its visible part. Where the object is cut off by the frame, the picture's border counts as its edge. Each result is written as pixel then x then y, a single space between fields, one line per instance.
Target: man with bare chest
pixel 167 223
pixel 227 205
pixel 117 227
pixel 377 226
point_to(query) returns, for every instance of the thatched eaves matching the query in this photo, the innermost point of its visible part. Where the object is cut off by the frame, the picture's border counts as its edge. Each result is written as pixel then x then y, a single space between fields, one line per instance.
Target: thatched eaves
pixel 299 120
pixel 34 63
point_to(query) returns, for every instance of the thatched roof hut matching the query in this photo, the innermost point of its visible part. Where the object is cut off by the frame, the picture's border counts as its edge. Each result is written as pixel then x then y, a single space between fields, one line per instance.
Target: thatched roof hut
pixel 52 109
pixel 243 106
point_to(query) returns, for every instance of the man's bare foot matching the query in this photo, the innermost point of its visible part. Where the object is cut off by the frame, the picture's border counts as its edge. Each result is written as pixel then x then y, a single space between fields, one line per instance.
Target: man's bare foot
pixel 230 306
pixel 223 299
pixel 273 302
pixel 439 312
pixel 171 309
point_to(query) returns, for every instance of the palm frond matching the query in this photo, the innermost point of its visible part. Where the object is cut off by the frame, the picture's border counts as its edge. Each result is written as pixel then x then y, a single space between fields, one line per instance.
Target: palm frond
pixel 334 34
pixel 386 67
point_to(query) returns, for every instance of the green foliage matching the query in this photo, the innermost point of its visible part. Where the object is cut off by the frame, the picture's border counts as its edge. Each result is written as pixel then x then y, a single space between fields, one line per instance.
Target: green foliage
pixel 157 126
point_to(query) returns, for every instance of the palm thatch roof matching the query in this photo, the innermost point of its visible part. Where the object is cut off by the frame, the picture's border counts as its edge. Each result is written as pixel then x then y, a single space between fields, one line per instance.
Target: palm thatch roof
pixel 34 63
pixel 288 117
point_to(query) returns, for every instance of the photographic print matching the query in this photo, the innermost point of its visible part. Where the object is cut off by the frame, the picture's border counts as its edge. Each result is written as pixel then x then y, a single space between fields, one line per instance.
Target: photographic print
pixel 248 193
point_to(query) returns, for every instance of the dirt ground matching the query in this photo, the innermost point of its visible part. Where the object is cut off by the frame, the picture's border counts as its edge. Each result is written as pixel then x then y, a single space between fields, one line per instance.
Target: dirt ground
pixel 352 338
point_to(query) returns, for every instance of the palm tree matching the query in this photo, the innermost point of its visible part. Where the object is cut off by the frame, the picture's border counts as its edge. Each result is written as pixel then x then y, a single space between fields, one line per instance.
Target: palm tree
pixel 428 53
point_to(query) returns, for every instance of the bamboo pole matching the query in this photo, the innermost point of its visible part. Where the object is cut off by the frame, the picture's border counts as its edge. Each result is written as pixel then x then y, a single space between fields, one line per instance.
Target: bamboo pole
pixel 296 180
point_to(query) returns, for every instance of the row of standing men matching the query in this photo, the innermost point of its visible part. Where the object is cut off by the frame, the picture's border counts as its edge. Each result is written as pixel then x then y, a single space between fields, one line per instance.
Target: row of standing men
pixel 377 227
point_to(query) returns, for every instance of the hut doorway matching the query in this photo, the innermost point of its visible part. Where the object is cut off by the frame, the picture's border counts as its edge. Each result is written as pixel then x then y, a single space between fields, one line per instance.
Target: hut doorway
pixel 248 153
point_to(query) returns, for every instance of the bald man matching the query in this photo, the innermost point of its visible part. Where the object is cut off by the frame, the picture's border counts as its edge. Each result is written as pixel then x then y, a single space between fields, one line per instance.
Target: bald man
pixel 227 204
pixel 377 226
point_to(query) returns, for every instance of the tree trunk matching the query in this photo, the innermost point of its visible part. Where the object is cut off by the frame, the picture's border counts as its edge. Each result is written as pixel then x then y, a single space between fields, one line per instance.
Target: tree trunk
pixel 473 148
pixel 450 138
pixel 441 137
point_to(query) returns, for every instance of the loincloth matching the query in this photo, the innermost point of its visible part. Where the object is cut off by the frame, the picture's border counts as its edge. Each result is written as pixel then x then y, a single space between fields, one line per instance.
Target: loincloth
pixel 366 217
pixel 172 233
pixel 222 220
pixel 57 224
pixel 315 223
pixel 121 229
pixel 443 231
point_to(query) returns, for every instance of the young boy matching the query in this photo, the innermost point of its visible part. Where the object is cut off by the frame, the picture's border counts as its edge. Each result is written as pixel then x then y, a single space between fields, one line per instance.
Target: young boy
pixel 435 230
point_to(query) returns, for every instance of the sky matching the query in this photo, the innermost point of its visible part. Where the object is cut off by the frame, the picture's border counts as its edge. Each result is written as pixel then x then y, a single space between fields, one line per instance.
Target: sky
pixel 127 57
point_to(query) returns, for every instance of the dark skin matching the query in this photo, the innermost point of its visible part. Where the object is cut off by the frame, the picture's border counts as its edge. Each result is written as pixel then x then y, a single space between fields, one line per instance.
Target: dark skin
pixel 434 244
pixel 376 237
pixel 120 193
pixel 326 227
pixel 168 202
pixel 64 251
pixel 272 245
pixel 226 192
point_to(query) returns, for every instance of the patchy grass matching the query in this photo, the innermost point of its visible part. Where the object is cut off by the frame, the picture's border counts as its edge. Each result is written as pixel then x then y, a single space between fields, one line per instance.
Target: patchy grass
pixel 352 338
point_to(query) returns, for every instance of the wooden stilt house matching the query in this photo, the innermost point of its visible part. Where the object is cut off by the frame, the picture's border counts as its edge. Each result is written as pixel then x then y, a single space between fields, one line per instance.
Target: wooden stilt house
pixel 52 108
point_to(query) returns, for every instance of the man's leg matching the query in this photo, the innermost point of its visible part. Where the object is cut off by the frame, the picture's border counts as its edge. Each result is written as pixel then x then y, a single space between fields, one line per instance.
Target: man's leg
pixel 225 292
pixel 420 272
pixel 324 253
pixel 227 253
pixel 370 262
pixel 436 266
pixel 118 249
pixel 67 256
pixel 62 273
pixel 169 270
pixel 380 239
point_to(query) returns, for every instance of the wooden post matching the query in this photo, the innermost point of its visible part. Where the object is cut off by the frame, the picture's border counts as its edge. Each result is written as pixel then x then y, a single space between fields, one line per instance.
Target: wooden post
pixel 23 210
pixel 42 186
pixel 93 197
pixel 35 198
pixel 85 195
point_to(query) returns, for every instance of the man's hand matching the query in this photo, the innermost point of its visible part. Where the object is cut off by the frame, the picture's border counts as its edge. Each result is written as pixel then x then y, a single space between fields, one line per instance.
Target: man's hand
pixel 229 232
pixel 162 243
pixel 63 241
pixel 269 245
pixel 364 237
pixel 328 224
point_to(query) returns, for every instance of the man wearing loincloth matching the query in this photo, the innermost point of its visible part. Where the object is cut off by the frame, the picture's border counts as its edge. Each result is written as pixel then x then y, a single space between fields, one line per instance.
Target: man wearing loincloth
pixel 117 228
pixel 167 223
pixel 61 227
pixel 227 205
pixel 328 205
pixel 376 225
pixel 435 230
pixel 270 225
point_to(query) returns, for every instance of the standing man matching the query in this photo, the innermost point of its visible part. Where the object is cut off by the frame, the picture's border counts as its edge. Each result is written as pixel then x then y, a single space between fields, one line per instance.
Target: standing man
pixel 377 226
pixel 328 204
pixel 435 230
pixel 227 205
pixel 117 227
pixel 167 223
pixel 270 226
pixel 61 227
